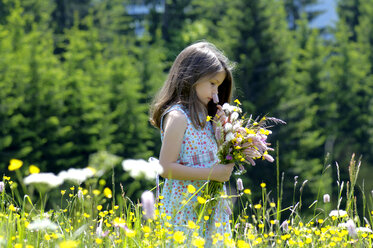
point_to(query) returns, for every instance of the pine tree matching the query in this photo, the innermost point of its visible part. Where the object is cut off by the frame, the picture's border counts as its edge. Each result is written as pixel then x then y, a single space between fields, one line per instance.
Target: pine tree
pixel 350 75
pixel 365 40
pixel 30 87
pixel 305 108
pixel 296 8
pixel 258 41
pixel 349 11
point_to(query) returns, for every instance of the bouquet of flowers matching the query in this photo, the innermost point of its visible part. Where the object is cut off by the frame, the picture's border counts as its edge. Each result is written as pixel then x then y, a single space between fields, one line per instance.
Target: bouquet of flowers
pixel 241 141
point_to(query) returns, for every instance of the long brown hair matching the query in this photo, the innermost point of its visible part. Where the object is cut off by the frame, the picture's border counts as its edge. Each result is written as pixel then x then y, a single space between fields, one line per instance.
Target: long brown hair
pixel 201 59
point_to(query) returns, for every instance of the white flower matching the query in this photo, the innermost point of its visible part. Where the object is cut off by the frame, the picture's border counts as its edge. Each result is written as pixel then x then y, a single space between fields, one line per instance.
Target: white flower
pixel 351 228
pixel 42 224
pixel 338 213
pixel 229 137
pixel 228 127
pixel 237 126
pixel 227 107
pixel 77 176
pixel 48 179
pixel 234 116
pixel 138 167
pixel 364 229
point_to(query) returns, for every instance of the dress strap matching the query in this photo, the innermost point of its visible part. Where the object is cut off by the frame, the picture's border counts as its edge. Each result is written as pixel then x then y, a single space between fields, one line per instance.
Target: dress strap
pixel 174 107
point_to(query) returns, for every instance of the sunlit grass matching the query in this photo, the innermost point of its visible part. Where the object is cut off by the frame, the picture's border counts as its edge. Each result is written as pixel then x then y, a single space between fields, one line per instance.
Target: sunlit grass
pixel 90 215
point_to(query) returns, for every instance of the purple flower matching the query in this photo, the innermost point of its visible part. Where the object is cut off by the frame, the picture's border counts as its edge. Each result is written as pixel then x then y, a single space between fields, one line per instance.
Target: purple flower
pixel 229 157
pixel 268 157
pixel 80 194
pixel 218 133
pixel 1 186
pixel 240 184
pixel 285 226
pixel 326 198
pixel 147 200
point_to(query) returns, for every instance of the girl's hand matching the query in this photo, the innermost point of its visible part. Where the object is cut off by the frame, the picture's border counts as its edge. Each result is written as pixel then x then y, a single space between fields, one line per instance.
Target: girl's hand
pixel 222 172
pixel 220 115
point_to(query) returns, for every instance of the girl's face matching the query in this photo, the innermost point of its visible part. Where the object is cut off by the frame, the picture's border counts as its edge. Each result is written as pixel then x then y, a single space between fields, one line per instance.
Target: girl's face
pixel 207 86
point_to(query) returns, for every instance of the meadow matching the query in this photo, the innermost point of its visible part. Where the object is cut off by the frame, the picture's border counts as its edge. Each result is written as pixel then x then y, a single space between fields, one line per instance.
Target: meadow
pixel 91 214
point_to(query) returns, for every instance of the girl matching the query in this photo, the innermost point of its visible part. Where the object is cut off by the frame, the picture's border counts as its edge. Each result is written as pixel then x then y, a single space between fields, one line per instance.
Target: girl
pixel 189 150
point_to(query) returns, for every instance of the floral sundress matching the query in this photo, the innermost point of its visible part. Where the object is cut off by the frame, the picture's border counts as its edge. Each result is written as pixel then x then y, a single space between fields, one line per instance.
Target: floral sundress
pixel 199 150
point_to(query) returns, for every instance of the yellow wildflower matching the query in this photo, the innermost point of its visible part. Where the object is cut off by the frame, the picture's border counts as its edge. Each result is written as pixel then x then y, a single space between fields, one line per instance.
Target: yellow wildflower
pixel 257 206
pixel 96 192
pixel 247 191
pixel 237 101
pixel 98 241
pixel 179 237
pixel 191 224
pixel 208 118
pixel 242 244
pixel 15 164
pixel 130 233
pixel 199 242
pixel 68 244
pixel 263 185
pixel 12 208
pixel 201 200
pixel 191 189
pixel 108 193
pixel 33 169
pixel 47 237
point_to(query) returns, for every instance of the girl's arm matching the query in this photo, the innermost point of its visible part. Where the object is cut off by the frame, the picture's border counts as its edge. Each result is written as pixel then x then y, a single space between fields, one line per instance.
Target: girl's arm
pixel 175 124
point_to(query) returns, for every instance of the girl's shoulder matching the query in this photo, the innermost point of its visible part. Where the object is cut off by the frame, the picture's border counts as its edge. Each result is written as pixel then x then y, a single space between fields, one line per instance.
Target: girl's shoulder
pixel 176 115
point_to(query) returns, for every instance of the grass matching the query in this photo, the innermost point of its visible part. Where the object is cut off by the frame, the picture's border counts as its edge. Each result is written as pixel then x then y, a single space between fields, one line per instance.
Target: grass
pixel 89 217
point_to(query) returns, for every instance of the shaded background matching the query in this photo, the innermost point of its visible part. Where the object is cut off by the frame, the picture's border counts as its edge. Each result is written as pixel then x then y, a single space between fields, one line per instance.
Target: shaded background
pixel 77 77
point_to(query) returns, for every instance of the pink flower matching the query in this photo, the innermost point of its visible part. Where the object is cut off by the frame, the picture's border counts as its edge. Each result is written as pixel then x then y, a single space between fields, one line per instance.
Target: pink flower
pixel 326 198
pixel 215 98
pixel 285 226
pixel 240 184
pixel 147 200
pixel 218 133
pixel 251 161
pixel 268 157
